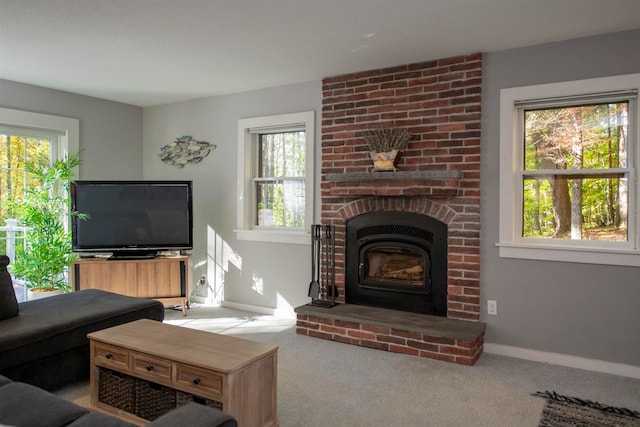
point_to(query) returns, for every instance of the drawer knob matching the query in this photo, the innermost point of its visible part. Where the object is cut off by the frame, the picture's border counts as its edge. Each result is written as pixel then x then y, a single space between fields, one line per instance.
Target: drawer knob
pixel 149 368
pixel 196 380
pixel 109 356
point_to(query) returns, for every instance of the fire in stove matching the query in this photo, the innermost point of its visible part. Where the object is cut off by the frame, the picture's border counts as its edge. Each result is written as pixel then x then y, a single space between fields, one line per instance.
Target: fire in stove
pixel 395 264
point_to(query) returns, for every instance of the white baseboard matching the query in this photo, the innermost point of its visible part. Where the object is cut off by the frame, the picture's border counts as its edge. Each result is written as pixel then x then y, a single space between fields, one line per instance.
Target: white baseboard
pixel 248 307
pixel 620 369
pixel 204 300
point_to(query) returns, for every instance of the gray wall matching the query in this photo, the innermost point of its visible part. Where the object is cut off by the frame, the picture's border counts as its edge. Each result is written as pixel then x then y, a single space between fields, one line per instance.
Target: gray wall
pixel 274 276
pixel 110 132
pixel 576 309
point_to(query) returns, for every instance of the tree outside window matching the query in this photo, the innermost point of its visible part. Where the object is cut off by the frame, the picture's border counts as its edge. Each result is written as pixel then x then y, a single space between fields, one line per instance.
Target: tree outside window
pixel 575 176
pixel 280 180
pixel 15 152
pixel 568 171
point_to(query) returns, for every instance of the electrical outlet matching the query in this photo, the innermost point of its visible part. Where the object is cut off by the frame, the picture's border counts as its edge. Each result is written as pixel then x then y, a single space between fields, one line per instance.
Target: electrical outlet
pixel 492 307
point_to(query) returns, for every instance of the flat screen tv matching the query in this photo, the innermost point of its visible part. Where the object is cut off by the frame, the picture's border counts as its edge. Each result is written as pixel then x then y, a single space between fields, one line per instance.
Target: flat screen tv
pixel 132 219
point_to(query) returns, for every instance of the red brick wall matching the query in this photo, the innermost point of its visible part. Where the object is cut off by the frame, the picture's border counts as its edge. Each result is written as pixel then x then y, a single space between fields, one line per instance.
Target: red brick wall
pixel 439 102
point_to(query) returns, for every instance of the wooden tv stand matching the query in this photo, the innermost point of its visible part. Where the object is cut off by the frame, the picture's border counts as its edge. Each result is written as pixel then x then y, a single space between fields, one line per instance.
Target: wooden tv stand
pixel 163 278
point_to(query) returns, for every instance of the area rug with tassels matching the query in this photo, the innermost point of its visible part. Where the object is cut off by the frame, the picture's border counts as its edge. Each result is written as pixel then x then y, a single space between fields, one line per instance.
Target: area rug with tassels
pixel 565 411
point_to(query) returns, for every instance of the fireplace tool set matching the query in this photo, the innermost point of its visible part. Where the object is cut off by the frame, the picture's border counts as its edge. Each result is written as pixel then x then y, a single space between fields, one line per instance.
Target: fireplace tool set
pixel 322 289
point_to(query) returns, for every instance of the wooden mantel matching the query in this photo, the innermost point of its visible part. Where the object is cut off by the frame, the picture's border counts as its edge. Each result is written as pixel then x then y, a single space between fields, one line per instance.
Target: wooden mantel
pixel 374 176
pixel 435 183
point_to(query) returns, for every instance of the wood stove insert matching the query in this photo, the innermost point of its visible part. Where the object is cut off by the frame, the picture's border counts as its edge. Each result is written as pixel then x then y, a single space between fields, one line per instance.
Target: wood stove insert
pixel 397 260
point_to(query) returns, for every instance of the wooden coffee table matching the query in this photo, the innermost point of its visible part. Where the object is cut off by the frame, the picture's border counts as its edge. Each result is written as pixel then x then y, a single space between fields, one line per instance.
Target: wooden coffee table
pixel 143 369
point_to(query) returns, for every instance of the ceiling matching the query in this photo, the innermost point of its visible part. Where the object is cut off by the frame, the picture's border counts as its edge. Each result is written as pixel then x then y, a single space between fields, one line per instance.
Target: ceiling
pixel 153 52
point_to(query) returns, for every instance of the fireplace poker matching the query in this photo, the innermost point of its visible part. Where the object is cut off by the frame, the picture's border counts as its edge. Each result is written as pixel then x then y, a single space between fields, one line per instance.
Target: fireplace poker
pixel 314 286
pixel 325 274
pixel 332 291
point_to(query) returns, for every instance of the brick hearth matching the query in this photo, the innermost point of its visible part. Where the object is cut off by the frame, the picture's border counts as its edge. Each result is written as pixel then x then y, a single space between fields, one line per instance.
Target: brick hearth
pixel 439 103
pixel 415 334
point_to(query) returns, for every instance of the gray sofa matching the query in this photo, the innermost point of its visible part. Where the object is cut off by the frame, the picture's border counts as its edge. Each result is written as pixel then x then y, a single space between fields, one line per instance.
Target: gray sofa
pixel 44 342
pixel 23 405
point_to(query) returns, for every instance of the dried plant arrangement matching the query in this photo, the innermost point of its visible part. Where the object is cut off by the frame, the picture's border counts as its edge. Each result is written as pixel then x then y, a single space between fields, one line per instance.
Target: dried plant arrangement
pixel 383 140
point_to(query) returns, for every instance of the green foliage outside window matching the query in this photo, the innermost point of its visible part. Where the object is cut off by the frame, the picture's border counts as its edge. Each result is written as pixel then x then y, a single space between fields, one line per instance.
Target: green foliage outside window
pixel 575 180
pixel 15 152
pixel 280 182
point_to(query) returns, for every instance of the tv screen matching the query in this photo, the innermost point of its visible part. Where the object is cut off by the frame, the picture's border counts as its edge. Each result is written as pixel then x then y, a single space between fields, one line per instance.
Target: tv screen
pixel 132 218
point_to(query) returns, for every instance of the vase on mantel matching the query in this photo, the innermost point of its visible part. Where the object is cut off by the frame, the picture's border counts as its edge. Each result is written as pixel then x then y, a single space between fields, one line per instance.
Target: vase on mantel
pixel 385 161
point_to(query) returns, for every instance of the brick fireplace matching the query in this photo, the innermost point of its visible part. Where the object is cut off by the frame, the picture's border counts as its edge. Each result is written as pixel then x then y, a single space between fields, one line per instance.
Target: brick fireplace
pixel 439 179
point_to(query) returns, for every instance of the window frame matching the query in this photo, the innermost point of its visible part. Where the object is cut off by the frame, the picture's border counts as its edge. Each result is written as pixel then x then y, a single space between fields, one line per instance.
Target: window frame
pixel 248 133
pixel 511 243
pixel 67 128
pixel 63 132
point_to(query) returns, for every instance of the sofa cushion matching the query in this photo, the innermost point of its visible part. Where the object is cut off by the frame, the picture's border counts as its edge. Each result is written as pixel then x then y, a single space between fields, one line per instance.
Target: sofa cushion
pixel 4 380
pixel 25 405
pixel 195 414
pixel 95 419
pixel 60 323
pixel 8 302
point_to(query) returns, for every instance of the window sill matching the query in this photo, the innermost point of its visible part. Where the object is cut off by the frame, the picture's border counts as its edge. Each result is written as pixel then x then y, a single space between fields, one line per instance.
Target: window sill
pixel 275 236
pixel 606 256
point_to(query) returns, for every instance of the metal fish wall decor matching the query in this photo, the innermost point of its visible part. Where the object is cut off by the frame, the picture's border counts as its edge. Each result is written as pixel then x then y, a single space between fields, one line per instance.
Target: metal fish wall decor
pixel 185 150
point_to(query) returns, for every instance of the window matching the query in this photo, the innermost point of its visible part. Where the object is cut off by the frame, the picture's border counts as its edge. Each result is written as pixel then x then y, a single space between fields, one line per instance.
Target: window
pixel 275 178
pixel 280 178
pixel 568 171
pixel 19 147
pixel 29 137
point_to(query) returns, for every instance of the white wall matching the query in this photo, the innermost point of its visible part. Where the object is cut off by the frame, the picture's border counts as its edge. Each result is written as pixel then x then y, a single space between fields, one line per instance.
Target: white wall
pixel 273 276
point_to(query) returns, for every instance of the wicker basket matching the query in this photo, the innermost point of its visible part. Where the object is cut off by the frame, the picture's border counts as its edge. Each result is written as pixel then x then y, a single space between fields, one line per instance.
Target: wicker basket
pixel 116 389
pixel 182 398
pixel 153 400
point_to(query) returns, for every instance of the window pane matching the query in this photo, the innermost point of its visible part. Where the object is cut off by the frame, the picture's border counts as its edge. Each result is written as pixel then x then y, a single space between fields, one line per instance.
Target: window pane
pixel 282 154
pixel 4 151
pixel 578 137
pixel 578 208
pixel 281 199
pixel 285 201
pixel 12 151
pixel 38 151
pixel 15 152
pixel 11 188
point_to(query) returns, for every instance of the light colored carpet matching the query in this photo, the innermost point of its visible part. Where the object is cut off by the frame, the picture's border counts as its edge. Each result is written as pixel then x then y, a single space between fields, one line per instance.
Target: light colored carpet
pixel 323 383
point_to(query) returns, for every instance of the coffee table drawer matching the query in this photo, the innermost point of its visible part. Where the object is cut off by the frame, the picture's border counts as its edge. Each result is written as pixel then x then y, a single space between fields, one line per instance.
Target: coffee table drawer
pixel 150 367
pixel 111 356
pixel 198 381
